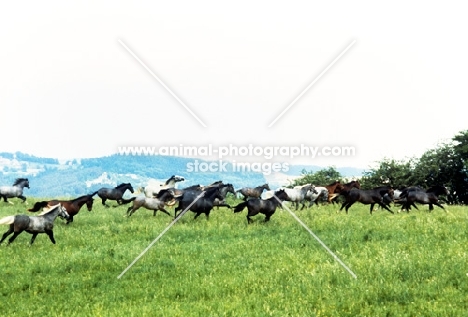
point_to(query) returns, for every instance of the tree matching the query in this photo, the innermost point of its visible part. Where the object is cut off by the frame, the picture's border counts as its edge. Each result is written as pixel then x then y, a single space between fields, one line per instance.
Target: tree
pixel 322 177
pixel 389 172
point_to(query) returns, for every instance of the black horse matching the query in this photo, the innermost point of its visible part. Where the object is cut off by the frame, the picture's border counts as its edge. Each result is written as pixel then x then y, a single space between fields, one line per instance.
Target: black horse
pixel 115 193
pixel 368 196
pixel 429 197
pixel 263 206
pixel 200 202
pixel 224 190
pixel 44 223
pixel 253 192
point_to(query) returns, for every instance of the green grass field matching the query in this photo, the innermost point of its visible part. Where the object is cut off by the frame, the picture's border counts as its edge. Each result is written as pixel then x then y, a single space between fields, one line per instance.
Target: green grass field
pixel 412 264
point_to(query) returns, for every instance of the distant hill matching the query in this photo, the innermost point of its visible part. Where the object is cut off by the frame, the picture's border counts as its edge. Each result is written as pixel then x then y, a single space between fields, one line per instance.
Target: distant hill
pixel 52 178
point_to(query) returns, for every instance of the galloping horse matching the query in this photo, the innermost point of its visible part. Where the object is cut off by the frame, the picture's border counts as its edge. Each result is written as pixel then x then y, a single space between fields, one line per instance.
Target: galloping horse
pixel 344 189
pixel 72 206
pixel 14 191
pixel 253 192
pixel 297 194
pixel 429 197
pixel 115 193
pixel 152 203
pixel 224 190
pixel 369 196
pixel 44 223
pixel 154 187
pixel 264 206
pixel 314 196
pixel 333 190
pixel 201 204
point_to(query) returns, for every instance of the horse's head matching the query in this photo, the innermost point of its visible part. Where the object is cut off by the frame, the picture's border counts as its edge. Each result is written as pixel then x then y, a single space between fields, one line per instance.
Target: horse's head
pixel 313 189
pixel 230 189
pixel 130 188
pixel 266 186
pixel 89 203
pixel 24 182
pixel 63 213
pixel 281 195
pixel 391 192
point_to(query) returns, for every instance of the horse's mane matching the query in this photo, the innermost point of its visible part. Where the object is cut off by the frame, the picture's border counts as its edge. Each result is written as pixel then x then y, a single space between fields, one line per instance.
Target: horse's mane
pixel 435 188
pixel 84 196
pixel 170 178
pixel 19 180
pixel 122 185
pixel 47 210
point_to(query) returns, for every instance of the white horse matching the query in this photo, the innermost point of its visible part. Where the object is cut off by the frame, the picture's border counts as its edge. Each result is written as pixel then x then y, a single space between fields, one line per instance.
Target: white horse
pixel 165 197
pixel 314 196
pixel 14 191
pixel 297 194
pixel 153 187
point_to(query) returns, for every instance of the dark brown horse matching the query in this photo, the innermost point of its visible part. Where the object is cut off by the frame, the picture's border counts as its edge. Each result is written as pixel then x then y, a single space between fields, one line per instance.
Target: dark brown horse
pixel 370 196
pixel 253 192
pixel 72 206
pixel 263 206
pixel 344 189
pixel 429 197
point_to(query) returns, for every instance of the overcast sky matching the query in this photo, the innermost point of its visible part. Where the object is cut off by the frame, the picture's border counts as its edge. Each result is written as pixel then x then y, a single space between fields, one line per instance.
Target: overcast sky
pixel 69 87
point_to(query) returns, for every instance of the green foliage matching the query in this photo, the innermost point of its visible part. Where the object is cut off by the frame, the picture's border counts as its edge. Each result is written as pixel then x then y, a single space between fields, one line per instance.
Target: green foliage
pixel 444 165
pixel 396 173
pixel 406 265
pixel 322 177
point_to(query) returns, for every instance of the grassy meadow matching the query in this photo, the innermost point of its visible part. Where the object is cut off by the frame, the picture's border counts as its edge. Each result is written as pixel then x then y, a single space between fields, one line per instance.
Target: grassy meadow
pixel 407 264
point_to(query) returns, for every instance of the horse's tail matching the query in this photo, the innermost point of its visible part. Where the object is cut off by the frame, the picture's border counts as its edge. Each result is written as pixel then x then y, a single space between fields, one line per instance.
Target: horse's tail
pixel 126 201
pixel 38 206
pixel 7 220
pixel 240 207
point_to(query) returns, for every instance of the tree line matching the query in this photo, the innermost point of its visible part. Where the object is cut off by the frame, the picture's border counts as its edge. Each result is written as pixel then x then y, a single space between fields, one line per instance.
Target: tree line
pixel 446 165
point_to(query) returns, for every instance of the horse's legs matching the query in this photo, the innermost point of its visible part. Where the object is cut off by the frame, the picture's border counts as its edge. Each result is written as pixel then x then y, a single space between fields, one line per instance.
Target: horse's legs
pixel 34 235
pixel 164 211
pixel 381 204
pixel 70 219
pixel 196 216
pixel 22 198
pixel 344 205
pixel 104 202
pixel 50 233
pixel 439 205
pixel 371 207
pixel 6 234
pixel 176 209
pixel 130 211
pixel 14 236
pixel 349 205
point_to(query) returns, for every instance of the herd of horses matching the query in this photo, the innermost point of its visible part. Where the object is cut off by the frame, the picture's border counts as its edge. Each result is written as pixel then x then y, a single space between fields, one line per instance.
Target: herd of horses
pixel 202 199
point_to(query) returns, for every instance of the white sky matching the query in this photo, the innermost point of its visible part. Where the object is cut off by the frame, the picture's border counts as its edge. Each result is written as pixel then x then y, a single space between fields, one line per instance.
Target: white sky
pixel 70 89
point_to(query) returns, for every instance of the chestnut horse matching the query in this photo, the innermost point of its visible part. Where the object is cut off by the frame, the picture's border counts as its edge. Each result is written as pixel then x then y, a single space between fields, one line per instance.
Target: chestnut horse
pixel 72 206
